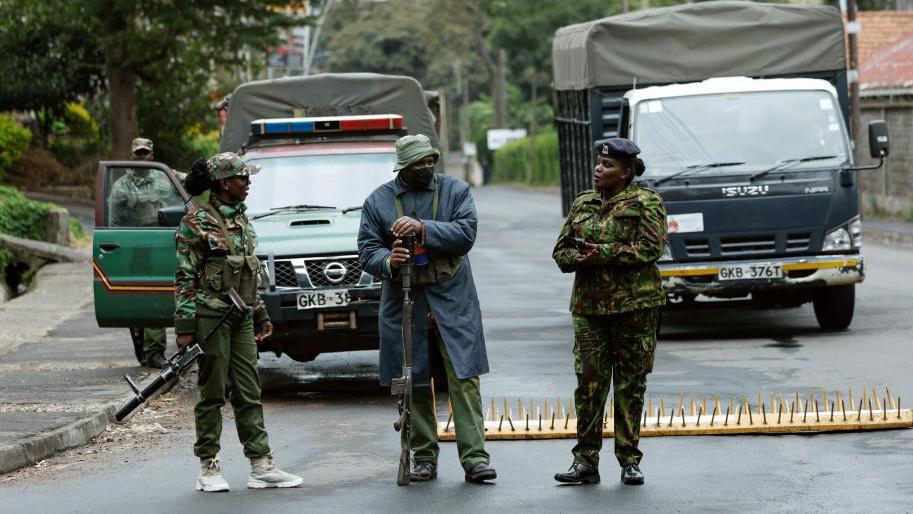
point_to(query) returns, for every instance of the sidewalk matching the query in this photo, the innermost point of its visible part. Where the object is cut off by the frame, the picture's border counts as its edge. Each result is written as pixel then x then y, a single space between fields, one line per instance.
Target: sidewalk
pixel 60 374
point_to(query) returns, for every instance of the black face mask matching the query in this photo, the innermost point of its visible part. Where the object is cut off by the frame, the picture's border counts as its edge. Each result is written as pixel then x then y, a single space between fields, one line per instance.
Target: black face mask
pixel 417 179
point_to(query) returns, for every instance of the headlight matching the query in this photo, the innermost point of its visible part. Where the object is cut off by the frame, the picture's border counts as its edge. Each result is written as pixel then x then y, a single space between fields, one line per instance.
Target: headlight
pixel 667 254
pixel 837 240
pixel 855 227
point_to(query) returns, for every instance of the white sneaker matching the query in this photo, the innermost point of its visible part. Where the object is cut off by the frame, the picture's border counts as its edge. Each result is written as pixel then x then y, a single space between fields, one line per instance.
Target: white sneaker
pixel 211 479
pixel 264 474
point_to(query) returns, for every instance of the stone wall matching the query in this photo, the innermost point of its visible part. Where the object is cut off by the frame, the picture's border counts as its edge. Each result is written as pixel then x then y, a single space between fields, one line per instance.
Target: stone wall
pixel 888 191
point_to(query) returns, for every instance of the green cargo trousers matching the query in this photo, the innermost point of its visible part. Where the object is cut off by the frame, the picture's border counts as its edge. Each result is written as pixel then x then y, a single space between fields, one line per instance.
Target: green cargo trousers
pixel 619 347
pixel 153 343
pixel 229 368
pixel 468 420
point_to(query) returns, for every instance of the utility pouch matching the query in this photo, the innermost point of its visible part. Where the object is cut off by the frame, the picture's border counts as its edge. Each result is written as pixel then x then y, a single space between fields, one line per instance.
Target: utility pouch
pixel 231 276
pixel 213 270
pixel 247 288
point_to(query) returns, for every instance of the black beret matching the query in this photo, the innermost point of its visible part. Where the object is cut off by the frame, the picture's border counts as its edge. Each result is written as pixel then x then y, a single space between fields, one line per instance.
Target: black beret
pixel 616 147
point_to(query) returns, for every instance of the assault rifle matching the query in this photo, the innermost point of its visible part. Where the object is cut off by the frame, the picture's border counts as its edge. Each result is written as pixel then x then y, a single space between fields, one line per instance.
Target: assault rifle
pixel 402 386
pixel 178 362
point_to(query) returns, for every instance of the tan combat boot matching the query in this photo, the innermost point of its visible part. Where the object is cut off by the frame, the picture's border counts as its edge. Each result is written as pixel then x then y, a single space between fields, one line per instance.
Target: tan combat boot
pixel 211 479
pixel 264 474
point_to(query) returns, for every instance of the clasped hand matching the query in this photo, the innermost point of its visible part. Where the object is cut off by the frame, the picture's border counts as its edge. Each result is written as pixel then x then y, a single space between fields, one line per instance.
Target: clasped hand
pixel 587 253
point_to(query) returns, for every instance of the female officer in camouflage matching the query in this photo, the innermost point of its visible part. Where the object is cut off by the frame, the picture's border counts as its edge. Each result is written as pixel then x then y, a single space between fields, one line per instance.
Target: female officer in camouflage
pixel 611 240
pixel 215 244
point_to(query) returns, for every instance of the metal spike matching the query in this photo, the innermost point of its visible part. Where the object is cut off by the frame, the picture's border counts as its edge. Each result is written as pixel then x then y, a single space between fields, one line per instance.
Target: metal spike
pixel 871 416
pixel 796 403
pixel 859 412
pixel 683 416
pixel 726 420
pixel 645 418
pixel 511 422
pixel 792 410
pixel 843 409
pixel 713 416
pixel 501 422
pixel 552 426
pixel 833 406
pixel 779 413
pixel 701 411
pixel 527 422
pixel 657 416
pixel 750 419
pixel 671 416
pixel 885 404
pixel 449 418
pixel 805 416
pixel 898 407
pixel 738 420
pixel 567 418
pixel 764 413
pixel 540 419
pixel 817 417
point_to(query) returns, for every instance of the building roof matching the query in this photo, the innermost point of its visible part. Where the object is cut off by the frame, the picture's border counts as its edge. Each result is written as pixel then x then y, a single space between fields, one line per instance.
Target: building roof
pixel 885 46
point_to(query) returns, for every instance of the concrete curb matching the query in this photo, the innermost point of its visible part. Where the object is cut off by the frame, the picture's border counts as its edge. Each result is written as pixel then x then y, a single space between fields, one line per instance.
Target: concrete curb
pixel 45 444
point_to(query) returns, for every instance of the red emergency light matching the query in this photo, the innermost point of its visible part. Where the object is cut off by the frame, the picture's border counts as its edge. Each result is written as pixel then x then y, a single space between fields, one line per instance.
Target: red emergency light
pixel 303 126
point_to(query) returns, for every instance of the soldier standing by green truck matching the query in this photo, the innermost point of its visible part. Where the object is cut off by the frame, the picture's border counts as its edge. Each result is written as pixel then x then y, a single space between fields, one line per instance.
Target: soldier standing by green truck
pixel 215 252
pixel 134 201
pixel 613 236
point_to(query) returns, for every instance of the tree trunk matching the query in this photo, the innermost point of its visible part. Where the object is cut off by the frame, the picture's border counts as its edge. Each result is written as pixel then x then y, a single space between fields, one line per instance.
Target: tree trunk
pixel 122 100
pixel 500 98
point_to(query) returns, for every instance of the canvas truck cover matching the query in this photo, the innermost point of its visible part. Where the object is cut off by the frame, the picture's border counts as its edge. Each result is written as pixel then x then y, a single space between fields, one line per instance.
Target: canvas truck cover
pixel 692 42
pixel 329 94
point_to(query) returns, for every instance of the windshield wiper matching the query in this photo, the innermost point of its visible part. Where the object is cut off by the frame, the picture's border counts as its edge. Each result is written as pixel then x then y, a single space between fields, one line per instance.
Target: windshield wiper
pixel 694 168
pixel 350 209
pixel 789 163
pixel 303 207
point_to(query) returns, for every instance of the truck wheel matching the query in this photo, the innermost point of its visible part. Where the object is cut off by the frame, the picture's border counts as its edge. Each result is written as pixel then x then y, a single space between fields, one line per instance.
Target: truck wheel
pixel 834 307
pixel 136 336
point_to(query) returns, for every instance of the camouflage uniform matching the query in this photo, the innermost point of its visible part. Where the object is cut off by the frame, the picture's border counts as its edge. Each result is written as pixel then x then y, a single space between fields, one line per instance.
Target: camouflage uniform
pixel 615 306
pixel 215 244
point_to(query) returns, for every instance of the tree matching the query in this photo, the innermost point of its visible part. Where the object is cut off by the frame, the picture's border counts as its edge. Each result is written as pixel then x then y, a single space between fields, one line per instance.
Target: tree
pixel 48 61
pixel 143 43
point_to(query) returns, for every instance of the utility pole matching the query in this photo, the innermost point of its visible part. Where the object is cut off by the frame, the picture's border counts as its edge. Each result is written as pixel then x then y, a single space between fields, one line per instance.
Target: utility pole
pixel 852 28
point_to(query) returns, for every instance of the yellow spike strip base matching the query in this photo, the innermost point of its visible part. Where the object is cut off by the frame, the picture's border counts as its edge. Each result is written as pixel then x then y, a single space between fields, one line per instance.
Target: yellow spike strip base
pixel 831 419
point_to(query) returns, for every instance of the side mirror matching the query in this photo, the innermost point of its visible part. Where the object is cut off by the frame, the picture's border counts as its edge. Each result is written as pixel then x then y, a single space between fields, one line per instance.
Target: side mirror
pixel 878 139
pixel 172 215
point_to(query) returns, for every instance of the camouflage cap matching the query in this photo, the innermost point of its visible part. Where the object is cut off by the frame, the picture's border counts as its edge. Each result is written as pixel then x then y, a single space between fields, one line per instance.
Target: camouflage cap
pixel 141 143
pixel 229 164
pixel 413 148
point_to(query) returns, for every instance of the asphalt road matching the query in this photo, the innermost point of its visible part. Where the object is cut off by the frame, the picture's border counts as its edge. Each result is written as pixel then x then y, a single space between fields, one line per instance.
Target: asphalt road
pixel 329 422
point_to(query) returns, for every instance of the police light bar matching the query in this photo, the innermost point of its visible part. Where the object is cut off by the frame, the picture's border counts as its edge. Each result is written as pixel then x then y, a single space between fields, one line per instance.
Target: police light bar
pixel 304 126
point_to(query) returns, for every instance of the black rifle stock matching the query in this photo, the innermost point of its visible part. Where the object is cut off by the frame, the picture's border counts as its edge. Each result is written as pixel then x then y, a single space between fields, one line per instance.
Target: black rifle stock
pixel 402 386
pixel 178 362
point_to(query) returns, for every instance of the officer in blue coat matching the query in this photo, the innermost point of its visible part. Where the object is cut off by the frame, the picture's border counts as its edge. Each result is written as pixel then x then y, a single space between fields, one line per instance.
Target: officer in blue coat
pixel 440 211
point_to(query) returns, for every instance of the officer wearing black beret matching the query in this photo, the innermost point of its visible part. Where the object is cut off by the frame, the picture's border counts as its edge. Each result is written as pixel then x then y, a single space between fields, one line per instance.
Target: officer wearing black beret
pixel 611 240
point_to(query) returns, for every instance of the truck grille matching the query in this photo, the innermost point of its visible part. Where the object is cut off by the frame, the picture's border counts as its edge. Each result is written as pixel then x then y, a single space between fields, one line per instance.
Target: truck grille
pixel 321 272
pixel 309 272
pixel 697 247
pixel 285 274
pixel 798 242
pixel 747 245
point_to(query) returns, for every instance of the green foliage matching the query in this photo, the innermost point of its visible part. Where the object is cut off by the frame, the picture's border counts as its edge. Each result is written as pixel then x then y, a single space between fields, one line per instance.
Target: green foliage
pixel 511 161
pixel 14 139
pixel 75 135
pixel 77 232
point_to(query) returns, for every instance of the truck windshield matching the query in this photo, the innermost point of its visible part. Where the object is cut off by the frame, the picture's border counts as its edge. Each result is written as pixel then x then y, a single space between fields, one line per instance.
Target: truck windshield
pixel 757 129
pixel 340 180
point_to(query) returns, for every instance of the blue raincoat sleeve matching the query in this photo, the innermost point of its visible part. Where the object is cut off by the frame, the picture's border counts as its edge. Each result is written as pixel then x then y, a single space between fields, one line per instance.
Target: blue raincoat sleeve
pixel 457 236
pixel 372 250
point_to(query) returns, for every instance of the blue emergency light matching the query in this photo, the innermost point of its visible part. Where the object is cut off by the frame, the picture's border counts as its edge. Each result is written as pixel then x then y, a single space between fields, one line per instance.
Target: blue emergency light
pixel 309 126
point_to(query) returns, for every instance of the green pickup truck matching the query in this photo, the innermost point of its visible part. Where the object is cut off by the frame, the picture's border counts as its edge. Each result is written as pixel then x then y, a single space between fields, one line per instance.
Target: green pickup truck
pixel 324 143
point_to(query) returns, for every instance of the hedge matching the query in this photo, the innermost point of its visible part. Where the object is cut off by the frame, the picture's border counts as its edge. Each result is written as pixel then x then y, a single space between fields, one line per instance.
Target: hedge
pixel 509 162
pixel 14 139
pixel 20 217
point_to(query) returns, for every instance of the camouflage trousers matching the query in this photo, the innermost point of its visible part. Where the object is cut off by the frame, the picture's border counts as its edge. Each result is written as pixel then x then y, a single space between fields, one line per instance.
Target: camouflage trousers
pixel 615 347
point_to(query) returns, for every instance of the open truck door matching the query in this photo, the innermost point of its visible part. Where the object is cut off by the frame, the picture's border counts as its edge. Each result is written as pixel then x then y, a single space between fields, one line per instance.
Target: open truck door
pixel 138 206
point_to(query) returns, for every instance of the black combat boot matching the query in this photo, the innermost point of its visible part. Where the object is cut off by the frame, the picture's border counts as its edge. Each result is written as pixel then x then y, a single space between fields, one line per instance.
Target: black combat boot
pixel 423 472
pixel 578 473
pixel 632 475
pixel 157 361
pixel 480 473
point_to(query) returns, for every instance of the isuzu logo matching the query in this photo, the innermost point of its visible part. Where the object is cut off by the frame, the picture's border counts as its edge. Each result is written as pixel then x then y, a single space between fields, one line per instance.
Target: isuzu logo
pixel 745 190
pixel 335 272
